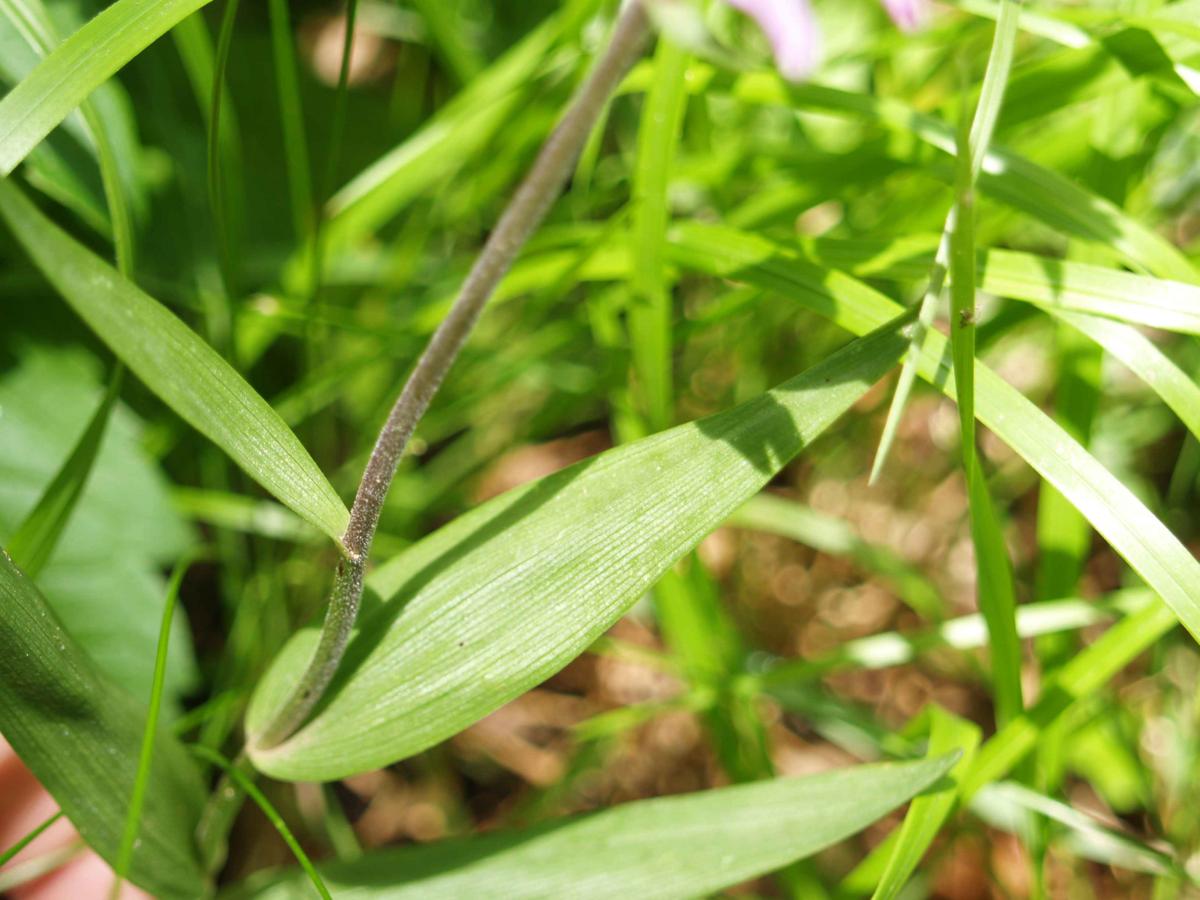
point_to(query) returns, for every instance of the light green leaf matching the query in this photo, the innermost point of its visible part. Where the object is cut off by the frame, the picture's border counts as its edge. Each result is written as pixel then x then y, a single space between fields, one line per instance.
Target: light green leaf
pixel 177 365
pixel 35 538
pixel 1114 511
pixel 80 734
pixel 689 846
pixel 103 579
pixel 80 64
pixel 508 594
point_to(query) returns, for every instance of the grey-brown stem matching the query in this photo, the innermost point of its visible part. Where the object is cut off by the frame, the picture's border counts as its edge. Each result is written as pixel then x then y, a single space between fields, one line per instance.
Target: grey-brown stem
pixel 520 219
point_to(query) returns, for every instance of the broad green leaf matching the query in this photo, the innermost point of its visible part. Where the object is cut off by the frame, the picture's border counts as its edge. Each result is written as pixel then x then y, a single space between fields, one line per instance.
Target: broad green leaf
pixel 36 537
pixel 508 594
pixel 1114 511
pixel 79 734
pixel 102 580
pixel 177 365
pixel 80 64
pixel 687 846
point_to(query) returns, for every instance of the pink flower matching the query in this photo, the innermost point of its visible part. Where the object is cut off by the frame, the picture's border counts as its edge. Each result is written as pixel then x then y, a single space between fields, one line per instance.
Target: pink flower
pixel 795 38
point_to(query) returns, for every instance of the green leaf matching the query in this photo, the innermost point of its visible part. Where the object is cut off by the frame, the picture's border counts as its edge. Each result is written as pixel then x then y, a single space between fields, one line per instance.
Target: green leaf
pixel 80 64
pixel 688 846
pixel 505 596
pixel 102 580
pixel 177 365
pixel 80 734
pixel 1114 511
pixel 35 538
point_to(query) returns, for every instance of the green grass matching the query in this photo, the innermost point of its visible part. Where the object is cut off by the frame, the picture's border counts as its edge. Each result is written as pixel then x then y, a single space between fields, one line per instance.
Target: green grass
pixel 643 541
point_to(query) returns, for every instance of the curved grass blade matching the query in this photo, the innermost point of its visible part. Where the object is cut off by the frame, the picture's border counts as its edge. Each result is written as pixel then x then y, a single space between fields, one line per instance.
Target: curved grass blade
pixel 675 847
pixel 1144 359
pixel 80 64
pixel 79 735
pixel 35 538
pixel 177 365
pixel 501 598
pixel 1120 517
pixel 247 785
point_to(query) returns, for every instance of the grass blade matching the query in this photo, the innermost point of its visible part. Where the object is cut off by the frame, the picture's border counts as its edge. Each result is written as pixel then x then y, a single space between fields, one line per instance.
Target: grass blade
pixel 84 61
pixel 36 537
pixel 247 785
pixel 990 99
pixel 650 312
pixel 947 733
pixel 674 847
pixel 291 116
pixel 177 365
pixel 141 781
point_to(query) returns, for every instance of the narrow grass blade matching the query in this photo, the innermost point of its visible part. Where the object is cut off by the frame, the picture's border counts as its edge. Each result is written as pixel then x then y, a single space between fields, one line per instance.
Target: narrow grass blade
pixel 675 847
pixel 216 182
pixel 1144 359
pixel 568 554
pixel 1113 510
pixel 79 735
pixel 291 116
pixel 650 311
pixel 177 365
pixel 141 781
pixel 35 538
pixel 84 61
pixel 827 534
pixel 988 110
pixel 24 842
pixel 247 785
pixel 994 586
pixel 927 814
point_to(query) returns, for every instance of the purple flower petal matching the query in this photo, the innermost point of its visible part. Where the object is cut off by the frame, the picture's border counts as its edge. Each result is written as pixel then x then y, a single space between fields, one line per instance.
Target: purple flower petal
pixel 790 27
pixel 909 15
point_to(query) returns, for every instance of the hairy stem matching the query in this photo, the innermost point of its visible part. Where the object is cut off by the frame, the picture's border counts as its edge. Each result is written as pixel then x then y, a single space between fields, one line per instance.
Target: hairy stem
pixel 520 219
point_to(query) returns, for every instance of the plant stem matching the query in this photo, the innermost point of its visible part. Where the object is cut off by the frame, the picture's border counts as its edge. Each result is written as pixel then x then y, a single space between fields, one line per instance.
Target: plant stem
pixel 520 219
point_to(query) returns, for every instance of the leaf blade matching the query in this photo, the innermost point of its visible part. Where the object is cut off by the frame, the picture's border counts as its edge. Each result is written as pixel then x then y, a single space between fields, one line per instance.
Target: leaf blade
pixel 177 365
